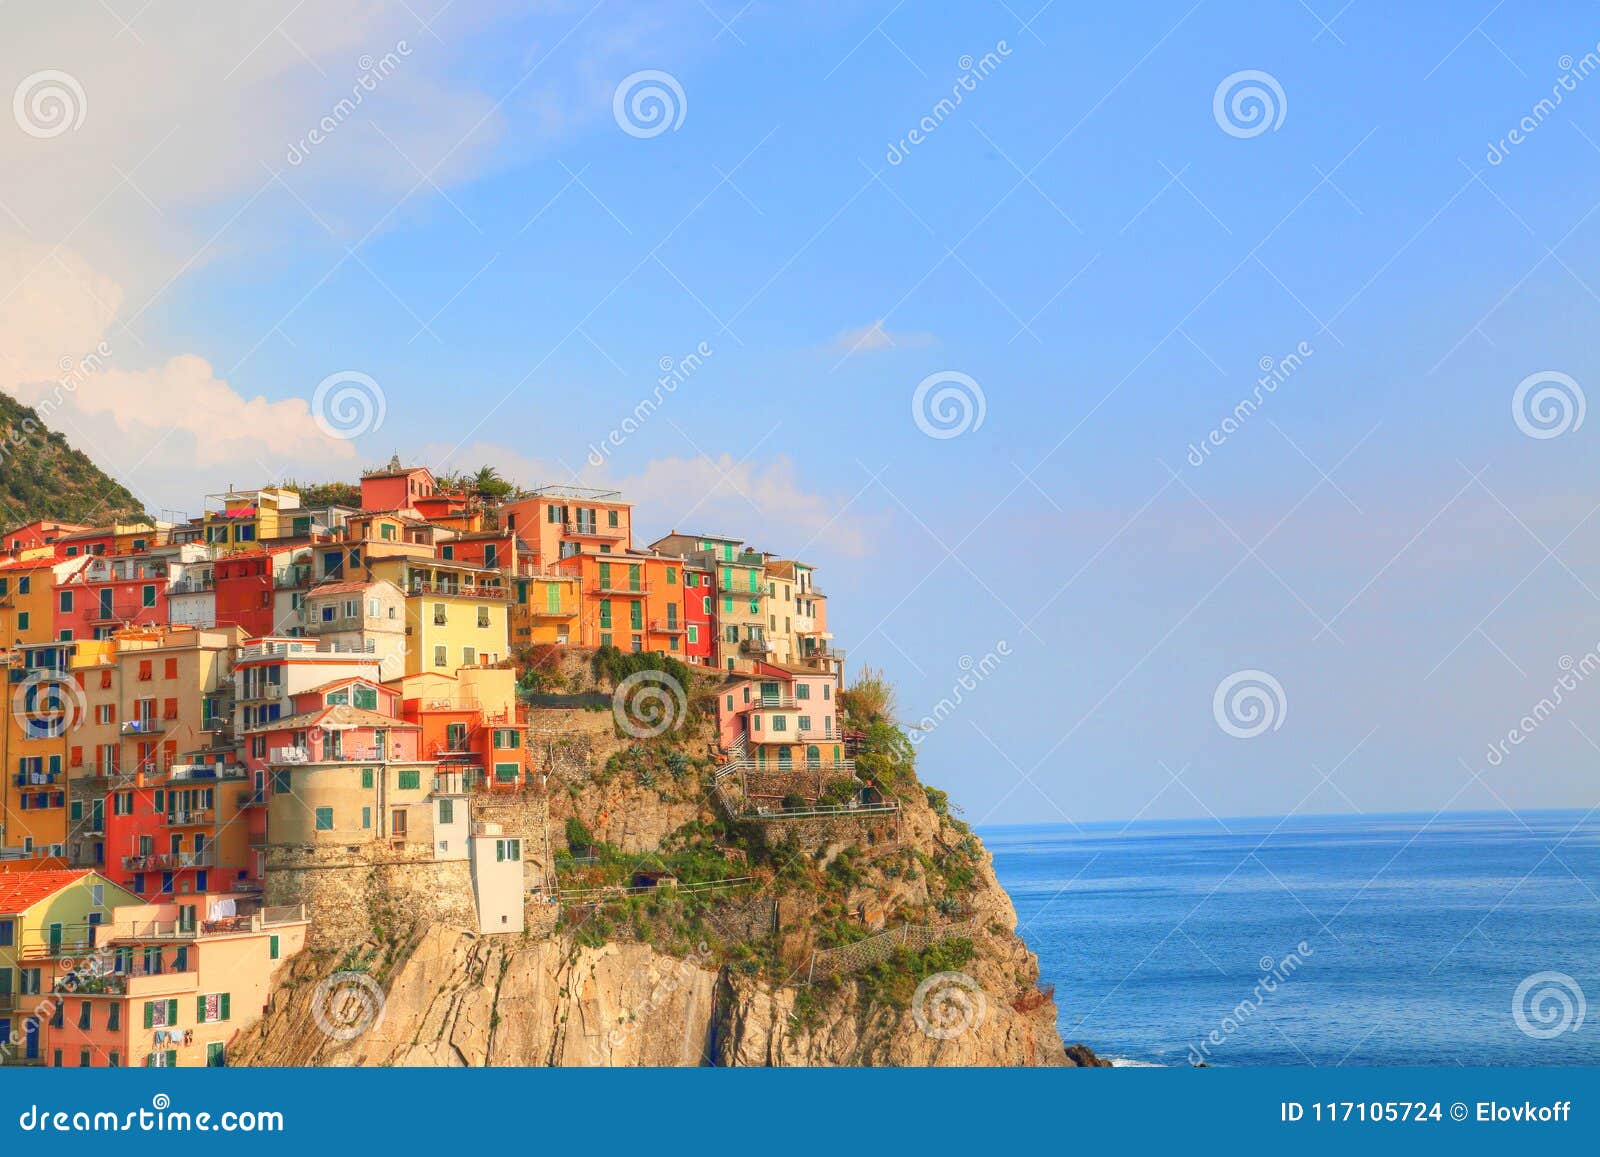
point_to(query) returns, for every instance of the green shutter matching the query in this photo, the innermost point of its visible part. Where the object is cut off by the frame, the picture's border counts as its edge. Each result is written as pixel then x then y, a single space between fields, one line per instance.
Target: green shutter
pixel 272 948
pixel 200 1009
pixel 366 777
pixel 552 598
pixel 225 1004
pixel 172 1012
pixel 149 1014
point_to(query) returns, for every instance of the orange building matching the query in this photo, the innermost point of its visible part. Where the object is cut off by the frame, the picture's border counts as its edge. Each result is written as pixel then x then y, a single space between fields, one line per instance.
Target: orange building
pixel 631 601
pixel 557 521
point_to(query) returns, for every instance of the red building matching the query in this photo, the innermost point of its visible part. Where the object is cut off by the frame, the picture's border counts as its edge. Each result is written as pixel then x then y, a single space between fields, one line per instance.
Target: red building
pixel 700 642
pixel 110 593
pixel 40 532
pixel 243 584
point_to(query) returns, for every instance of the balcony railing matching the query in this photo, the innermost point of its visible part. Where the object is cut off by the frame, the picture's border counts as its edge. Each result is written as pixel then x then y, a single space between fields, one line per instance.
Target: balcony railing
pixel 207 772
pixel 191 817
pixel 668 627
pixel 773 702
pixel 308 755
pixel 150 726
pixel 574 529
pixel 457 590
pixel 170 861
pixel 755 646
pixel 611 588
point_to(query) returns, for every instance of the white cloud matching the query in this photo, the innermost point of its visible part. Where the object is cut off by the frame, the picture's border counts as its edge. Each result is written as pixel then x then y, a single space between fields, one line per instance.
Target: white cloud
pixel 874 337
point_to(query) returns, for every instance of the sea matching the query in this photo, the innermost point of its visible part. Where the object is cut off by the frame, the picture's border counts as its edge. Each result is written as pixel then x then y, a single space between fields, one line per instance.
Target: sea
pixel 1457 939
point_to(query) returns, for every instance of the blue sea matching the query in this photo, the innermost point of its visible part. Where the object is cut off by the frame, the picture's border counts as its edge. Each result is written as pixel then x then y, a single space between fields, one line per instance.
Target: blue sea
pixel 1322 940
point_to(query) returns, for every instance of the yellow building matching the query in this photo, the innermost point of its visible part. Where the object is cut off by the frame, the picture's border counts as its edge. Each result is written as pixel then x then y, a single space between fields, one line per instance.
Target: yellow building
pixel 46 918
pixel 239 519
pixel 28 592
pixel 456 615
pixel 545 610
pixel 45 705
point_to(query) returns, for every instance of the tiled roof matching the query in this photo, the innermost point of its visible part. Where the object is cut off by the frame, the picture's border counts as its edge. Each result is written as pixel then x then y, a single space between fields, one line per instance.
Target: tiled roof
pixel 338 588
pixel 346 716
pixel 21 889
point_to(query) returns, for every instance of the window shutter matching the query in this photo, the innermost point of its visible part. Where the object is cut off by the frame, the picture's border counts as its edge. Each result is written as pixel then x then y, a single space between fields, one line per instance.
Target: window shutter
pixel 225 1006
pixel 172 1012
pixel 272 947
pixel 200 1010
pixel 149 1014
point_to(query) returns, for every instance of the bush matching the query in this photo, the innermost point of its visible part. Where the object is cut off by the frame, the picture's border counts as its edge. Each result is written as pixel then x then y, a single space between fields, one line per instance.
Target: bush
pixel 578 834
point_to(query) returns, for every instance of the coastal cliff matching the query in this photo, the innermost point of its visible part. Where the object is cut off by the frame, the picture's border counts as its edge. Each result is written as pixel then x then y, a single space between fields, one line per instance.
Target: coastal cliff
pixel 878 939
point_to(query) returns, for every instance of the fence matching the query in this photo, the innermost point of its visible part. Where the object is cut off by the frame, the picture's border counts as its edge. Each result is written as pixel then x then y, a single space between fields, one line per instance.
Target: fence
pixel 861 954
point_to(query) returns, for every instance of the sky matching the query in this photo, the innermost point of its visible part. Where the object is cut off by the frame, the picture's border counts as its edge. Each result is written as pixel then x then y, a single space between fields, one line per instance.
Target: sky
pixel 994 365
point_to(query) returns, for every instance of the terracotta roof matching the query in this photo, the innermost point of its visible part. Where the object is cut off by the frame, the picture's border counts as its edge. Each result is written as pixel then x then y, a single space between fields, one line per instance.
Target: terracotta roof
pixel 21 890
pixel 332 683
pixel 339 588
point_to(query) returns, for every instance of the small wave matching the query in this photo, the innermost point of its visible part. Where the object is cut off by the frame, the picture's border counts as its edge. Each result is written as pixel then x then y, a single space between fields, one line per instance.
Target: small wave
pixel 1130 1063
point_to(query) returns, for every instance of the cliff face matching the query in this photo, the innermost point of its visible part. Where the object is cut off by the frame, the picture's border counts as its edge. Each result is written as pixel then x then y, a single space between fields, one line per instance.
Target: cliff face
pixel 855 940
pixel 456 999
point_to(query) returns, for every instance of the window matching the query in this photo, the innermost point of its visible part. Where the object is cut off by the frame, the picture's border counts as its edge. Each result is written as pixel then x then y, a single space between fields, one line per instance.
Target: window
pixel 483 616
pixel 410 780
pixel 694 633
pixel 8 933
pixel 324 819
pixel 611 518
pixel 507 738
pixel 85 1014
pixel 780 723
pixel 272 948
pixel 439 616
pixel 507 772
pixel 280 783
pixel 827 691
pixel 805 723
pixel 114 1021
pixel 114 1058
pixel 439 659
pixel 147 596
pixel 469 656
pixel 366 778
pixel 160 1013
pixel 22 617
pixel 66 602
pixel 211 1008
pixel 447 811
pixel 365 697
pixel 171 671
pixel 366 819
pixel 605 614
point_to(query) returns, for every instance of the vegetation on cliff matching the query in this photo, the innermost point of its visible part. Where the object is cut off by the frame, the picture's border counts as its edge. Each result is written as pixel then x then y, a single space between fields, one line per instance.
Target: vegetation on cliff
pixel 42 476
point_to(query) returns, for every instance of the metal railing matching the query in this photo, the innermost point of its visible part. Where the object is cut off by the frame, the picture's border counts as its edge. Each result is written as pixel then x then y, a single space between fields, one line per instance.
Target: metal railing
pixel 169 861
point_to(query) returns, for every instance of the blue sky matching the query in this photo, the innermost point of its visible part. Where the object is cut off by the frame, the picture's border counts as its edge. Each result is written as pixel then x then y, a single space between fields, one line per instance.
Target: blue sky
pixel 1080 237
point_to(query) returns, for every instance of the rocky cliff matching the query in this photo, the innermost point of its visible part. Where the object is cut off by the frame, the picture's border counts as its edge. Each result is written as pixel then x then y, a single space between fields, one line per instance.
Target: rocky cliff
pixel 882 940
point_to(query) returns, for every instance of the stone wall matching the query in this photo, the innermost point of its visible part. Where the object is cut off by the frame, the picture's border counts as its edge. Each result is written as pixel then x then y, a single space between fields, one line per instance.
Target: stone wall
pixel 369 892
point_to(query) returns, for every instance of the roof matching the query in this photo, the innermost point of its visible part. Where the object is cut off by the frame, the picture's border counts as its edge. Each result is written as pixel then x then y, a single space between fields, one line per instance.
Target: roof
pixel 332 683
pixel 21 890
pixel 346 588
pixel 345 717
pixel 91 532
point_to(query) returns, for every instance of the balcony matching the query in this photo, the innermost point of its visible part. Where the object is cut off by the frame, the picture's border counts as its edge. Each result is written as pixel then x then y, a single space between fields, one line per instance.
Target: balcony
pixel 76 940
pixel 667 627
pixel 610 589
pixel 755 646
pixel 773 702
pixel 298 755
pixel 749 558
pixel 457 590
pixel 574 529
pixel 191 817
pixel 257 921
pixel 150 726
pixel 35 779
pixel 192 586
pixel 206 772
pixel 171 861
pixel 546 613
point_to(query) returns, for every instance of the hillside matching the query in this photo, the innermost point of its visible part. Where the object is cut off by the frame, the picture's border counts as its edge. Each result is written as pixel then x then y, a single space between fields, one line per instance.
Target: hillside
pixel 857 939
pixel 41 476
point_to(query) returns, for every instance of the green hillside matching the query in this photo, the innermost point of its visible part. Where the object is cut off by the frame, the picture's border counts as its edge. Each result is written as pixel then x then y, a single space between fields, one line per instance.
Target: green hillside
pixel 41 476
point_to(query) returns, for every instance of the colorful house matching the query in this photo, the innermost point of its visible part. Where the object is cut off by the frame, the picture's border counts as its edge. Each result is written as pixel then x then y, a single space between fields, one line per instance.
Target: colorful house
pixel 557 521
pixel 362 617
pixel 456 615
pixel 40 532
pixel 547 609
pixel 173 984
pixel 48 920
pixel 242 519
